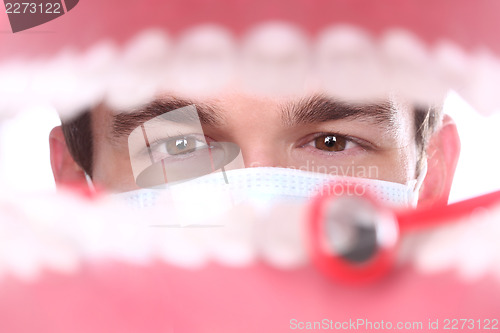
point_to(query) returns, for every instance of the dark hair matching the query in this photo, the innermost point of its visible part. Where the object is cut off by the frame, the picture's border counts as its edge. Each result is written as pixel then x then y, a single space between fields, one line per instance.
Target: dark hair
pixel 427 120
pixel 79 138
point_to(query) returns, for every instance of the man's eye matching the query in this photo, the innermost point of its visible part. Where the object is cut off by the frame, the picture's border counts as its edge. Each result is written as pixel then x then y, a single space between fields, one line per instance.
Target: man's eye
pixel 330 142
pixel 183 145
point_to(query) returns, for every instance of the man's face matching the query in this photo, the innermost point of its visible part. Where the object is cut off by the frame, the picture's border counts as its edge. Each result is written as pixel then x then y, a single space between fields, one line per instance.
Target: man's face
pixel 311 133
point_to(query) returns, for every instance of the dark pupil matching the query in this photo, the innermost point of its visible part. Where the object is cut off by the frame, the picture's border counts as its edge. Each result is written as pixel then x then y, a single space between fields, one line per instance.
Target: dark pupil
pixel 330 141
pixel 181 144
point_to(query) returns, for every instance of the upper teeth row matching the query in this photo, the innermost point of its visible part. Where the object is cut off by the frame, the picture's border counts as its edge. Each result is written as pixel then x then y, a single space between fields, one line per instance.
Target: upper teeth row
pixel 274 58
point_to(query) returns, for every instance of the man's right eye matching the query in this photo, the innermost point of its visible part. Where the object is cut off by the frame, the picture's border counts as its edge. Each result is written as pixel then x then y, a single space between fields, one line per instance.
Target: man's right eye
pixel 183 145
pixel 180 146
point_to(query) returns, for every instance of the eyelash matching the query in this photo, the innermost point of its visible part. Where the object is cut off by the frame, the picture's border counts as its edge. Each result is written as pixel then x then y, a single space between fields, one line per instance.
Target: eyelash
pixel 309 142
pixel 155 143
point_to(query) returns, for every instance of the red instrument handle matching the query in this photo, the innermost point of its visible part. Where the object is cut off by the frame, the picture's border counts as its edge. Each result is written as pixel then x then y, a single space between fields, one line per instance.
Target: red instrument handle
pixel 435 215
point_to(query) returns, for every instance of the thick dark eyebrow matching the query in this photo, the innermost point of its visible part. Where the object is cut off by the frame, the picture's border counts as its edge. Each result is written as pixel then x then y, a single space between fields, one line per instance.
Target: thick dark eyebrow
pixel 124 123
pixel 317 109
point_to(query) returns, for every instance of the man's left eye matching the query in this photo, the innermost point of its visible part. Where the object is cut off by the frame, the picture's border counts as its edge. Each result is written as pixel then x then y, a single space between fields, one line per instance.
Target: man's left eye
pixel 330 143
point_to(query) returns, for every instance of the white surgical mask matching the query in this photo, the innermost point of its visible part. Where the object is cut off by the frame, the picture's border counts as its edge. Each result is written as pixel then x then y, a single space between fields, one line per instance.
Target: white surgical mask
pixel 208 196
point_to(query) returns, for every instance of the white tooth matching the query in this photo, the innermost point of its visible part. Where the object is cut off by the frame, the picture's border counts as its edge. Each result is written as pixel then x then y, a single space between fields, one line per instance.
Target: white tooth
pixel 479 248
pixel 475 258
pixel 275 59
pixel 132 79
pixel 282 236
pixel 87 228
pixel 226 237
pixel 165 238
pixel 132 241
pixel 233 242
pixel 15 78
pixel 61 81
pixel 14 83
pixel 150 48
pixel 182 247
pixel 437 252
pixel 100 56
pixel 406 250
pixel 19 248
pixel 409 68
pixel 58 254
pixel 468 247
pixel 87 231
pixel 204 61
pixel 56 251
pixel 452 64
pixel 141 68
pixel 25 264
pixel 402 46
pixel 81 81
pixel 348 65
pixel 210 202
pixel 107 233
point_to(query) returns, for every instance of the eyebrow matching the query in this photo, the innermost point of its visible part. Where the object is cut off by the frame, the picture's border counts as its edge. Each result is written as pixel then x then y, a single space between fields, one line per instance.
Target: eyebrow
pixel 317 109
pixel 125 122
pixel 314 109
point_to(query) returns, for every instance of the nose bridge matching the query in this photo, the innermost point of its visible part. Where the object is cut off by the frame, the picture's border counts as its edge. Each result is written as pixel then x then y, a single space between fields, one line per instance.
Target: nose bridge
pixel 259 144
pixel 259 149
pixel 254 158
pixel 254 125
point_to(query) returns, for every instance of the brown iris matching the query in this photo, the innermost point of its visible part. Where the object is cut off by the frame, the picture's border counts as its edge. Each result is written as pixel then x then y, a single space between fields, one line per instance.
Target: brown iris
pixel 181 145
pixel 330 143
